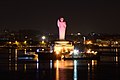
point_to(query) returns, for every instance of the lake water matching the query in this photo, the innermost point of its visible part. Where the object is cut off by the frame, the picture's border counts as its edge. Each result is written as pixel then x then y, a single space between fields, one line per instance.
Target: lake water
pixel 14 67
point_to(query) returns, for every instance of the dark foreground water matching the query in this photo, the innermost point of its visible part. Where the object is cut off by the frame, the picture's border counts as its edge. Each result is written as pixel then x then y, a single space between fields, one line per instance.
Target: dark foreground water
pixel 13 67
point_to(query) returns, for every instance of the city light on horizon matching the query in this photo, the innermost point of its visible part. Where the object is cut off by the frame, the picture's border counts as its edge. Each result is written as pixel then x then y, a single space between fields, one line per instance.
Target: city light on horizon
pixel 43 37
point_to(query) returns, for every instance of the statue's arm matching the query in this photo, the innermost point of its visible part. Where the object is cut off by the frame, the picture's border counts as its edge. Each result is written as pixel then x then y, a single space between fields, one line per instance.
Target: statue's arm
pixel 58 23
pixel 65 24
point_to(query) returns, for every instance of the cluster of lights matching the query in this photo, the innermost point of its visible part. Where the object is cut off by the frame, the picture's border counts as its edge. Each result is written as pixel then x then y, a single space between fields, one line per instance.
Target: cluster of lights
pixel 16 42
pixel 43 37
pixel 88 42
pixel 63 47
pixel 40 50
pixel 93 52
pixel 76 51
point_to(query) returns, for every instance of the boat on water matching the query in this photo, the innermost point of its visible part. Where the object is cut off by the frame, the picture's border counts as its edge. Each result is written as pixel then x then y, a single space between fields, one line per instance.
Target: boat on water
pixel 28 56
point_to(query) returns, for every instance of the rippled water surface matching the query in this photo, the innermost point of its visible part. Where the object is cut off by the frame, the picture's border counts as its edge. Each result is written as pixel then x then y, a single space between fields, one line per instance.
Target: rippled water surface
pixel 15 67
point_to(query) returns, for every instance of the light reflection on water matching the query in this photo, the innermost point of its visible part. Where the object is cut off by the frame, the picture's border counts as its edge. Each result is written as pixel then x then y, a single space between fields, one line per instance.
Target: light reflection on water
pixel 116 58
pixel 60 66
pixel 24 67
pixel 64 64
pixel 75 69
pixel 51 62
pixel 58 69
pixel 89 71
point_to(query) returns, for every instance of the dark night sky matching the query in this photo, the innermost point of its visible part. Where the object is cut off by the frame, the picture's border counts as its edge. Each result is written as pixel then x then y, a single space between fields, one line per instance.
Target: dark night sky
pixel 83 16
